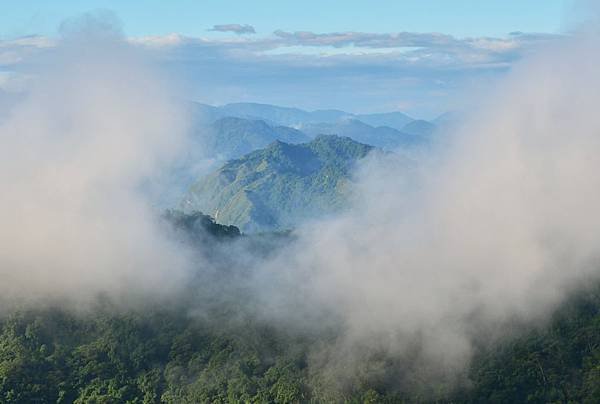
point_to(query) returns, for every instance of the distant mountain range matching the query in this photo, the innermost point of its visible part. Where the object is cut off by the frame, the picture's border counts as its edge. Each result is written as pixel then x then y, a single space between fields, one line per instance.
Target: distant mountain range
pixel 278 187
pixel 282 166
pixel 383 137
pixel 293 117
pixel 233 130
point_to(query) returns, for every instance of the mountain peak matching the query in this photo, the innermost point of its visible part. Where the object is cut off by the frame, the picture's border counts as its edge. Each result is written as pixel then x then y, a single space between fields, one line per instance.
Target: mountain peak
pixel 280 186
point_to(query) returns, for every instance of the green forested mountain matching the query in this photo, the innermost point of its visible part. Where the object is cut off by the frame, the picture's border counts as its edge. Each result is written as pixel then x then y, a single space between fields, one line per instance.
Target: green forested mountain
pixel 278 187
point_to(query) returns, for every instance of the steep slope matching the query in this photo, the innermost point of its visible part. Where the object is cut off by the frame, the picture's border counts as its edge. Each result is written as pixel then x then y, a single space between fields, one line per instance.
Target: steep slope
pixel 280 186
pixel 232 137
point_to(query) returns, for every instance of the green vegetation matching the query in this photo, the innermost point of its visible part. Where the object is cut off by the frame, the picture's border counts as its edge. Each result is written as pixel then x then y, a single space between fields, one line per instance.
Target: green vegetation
pixel 558 363
pixel 197 224
pixel 111 355
pixel 280 186
pixel 50 356
pixel 205 348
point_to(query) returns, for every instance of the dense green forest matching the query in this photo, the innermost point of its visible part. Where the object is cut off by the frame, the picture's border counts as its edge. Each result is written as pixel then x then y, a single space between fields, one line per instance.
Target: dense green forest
pixel 166 355
pixel 184 352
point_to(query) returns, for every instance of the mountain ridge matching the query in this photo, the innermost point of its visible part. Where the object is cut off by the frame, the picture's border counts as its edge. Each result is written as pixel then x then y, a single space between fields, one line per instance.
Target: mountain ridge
pixel 232 137
pixel 280 186
pixel 291 116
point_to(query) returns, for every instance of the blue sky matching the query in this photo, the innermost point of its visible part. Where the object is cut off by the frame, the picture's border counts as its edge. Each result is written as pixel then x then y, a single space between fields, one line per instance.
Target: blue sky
pixel 362 56
pixel 194 17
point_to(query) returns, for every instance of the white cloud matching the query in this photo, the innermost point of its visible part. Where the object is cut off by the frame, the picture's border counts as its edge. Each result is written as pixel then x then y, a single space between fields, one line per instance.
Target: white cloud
pixel 159 40
pixel 12 82
pixel 316 69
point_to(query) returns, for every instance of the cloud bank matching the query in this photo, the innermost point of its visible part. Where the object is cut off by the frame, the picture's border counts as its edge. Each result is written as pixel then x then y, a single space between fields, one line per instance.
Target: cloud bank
pixel 424 72
pixel 494 228
pixel 92 127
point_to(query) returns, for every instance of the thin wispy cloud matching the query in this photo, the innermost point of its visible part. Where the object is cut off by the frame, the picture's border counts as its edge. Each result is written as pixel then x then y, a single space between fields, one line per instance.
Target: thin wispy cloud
pixel 235 28
pixel 318 70
pixel 365 39
pixel 17 50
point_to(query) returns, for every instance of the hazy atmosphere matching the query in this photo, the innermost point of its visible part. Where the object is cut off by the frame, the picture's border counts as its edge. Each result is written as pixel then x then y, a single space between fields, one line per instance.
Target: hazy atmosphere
pixel 235 204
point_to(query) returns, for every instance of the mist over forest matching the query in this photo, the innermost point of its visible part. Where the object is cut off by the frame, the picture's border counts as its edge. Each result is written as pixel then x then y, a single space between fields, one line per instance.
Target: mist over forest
pixel 155 248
